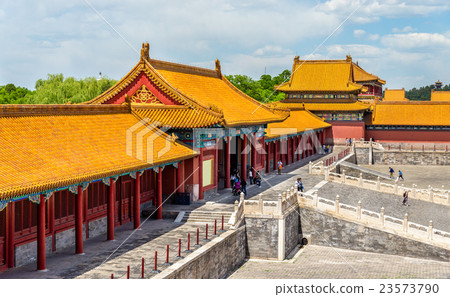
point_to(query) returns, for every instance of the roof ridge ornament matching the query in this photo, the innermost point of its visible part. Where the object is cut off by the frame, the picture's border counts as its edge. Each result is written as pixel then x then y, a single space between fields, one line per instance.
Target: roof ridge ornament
pixel 145 52
pixel 348 58
pixel 218 68
pixel 296 59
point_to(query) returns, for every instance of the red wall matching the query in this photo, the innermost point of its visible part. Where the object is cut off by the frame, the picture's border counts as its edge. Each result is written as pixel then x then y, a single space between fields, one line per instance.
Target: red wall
pixel 341 130
pixel 408 136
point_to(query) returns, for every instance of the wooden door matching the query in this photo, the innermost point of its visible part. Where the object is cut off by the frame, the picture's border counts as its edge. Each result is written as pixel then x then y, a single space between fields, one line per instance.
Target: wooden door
pixel 2 238
pixel 126 201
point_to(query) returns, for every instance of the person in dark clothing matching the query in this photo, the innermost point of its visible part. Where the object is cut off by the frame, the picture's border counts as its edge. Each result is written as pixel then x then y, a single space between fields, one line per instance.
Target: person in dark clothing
pixel 244 187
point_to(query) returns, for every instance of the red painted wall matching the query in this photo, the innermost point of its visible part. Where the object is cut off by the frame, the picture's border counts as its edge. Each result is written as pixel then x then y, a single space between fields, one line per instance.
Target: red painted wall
pixel 341 130
pixel 408 136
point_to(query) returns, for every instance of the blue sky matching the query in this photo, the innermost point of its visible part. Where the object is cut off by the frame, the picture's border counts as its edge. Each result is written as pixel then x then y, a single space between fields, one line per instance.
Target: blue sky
pixel 407 43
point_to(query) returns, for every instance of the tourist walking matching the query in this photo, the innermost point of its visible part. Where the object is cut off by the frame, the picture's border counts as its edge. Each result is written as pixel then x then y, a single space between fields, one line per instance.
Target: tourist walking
pixel 391 172
pixel 250 176
pixel 299 184
pixel 258 179
pixel 400 175
pixel 244 186
pixel 405 198
pixel 280 166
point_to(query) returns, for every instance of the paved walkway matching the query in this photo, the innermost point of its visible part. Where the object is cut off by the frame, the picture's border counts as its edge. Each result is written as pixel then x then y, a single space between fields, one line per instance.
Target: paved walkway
pixel 319 262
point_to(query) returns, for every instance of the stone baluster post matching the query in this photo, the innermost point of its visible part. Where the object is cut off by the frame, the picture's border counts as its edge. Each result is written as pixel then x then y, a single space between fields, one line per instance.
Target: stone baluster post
pixel 358 210
pixel 378 184
pixel 430 193
pixel 242 198
pixel 337 205
pixel 405 223
pixel 315 198
pixel 280 203
pixel 327 173
pixel 261 203
pixel 322 166
pixel 382 216
pixel 236 206
pixel 414 191
pixel 310 167
pixel 343 176
pixel 396 187
pixel 283 195
pixel 361 182
pixel 430 230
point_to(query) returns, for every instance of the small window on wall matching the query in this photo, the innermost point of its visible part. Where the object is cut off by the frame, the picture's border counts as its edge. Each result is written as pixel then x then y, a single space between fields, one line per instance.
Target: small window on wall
pixel 208 172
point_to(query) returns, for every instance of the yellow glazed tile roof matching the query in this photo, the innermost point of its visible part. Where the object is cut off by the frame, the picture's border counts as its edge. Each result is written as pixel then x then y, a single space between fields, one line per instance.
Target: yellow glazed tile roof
pixel 440 95
pixel 47 147
pixel 420 113
pixel 360 75
pixel 211 88
pixel 177 116
pixel 394 95
pixel 300 120
pixel 354 106
pixel 327 76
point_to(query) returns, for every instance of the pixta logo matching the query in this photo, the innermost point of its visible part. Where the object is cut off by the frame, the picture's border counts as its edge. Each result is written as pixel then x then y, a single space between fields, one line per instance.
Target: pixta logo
pixel 146 142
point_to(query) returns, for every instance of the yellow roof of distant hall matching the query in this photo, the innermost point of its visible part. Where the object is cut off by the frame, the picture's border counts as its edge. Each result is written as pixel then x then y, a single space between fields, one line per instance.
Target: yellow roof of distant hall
pixel 52 146
pixel 327 76
pixel 300 120
pixel 419 113
pixel 440 95
pixel 394 95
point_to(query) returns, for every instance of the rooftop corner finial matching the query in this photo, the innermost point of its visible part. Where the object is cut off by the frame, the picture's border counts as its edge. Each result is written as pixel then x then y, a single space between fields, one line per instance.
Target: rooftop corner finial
pixel 145 55
pixel 349 58
pixel 297 59
pixel 218 69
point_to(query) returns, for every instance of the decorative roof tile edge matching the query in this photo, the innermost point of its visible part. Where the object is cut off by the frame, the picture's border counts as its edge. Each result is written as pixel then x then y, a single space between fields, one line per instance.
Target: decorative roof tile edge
pixel 16 110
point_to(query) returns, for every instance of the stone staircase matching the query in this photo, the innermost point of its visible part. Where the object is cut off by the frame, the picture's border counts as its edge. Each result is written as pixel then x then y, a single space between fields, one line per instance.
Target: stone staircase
pixel 206 217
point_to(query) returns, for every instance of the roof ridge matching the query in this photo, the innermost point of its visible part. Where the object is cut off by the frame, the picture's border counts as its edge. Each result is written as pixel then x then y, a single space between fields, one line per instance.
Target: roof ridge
pixel 20 110
pixel 188 69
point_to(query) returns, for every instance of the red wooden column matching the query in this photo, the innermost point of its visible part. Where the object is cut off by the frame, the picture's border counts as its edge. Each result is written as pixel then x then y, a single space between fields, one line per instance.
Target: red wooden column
pixel 159 194
pixel 79 221
pixel 244 158
pixel 253 154
pixel 303 147
pixel 216 164
pixel 275 154
pixel 137 201
pixel 293 149
pixel 200 173
pixel 10 229
pixel 268 157
pixel 41 234
pixel 111 209
pixel 180 177
pixel 227 163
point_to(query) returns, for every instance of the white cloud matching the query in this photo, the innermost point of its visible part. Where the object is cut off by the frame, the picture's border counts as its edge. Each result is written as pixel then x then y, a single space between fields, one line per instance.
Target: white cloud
pixel 405 29
pixel 414 41
pixel 271 50
pixel 359 33
pixel 372 11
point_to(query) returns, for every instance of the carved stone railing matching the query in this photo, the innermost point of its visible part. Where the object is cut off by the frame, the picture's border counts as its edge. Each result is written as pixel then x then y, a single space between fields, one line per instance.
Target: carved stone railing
pixel 376 219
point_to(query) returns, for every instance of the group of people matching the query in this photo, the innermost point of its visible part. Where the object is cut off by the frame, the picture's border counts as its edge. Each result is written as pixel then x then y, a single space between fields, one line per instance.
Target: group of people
pixel 239 185
pixel 348 141
pixel 400 173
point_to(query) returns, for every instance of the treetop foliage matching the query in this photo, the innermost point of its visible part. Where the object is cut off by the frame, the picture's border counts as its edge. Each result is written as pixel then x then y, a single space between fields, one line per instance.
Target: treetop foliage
pixel 423 93
pixel 262 89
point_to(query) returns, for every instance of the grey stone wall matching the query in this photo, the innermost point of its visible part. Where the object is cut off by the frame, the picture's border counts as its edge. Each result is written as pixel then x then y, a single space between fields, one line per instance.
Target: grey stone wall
pixel 292 231
pixel 98 227
pixel 362 156
pixel 411 158
pixel 327 230
pixel 262 237
pixel 216 260
pixel 27 253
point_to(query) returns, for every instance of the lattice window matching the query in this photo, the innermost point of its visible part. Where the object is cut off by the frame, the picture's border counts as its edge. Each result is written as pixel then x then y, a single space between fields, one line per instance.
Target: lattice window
pixel 143 95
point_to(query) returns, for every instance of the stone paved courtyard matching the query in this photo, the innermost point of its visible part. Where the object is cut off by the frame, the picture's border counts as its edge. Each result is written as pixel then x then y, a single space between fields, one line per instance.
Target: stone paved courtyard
pixel 319 262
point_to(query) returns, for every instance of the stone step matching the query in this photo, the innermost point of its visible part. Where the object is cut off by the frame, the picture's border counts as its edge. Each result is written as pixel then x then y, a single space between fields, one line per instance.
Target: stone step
pixel 206 217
